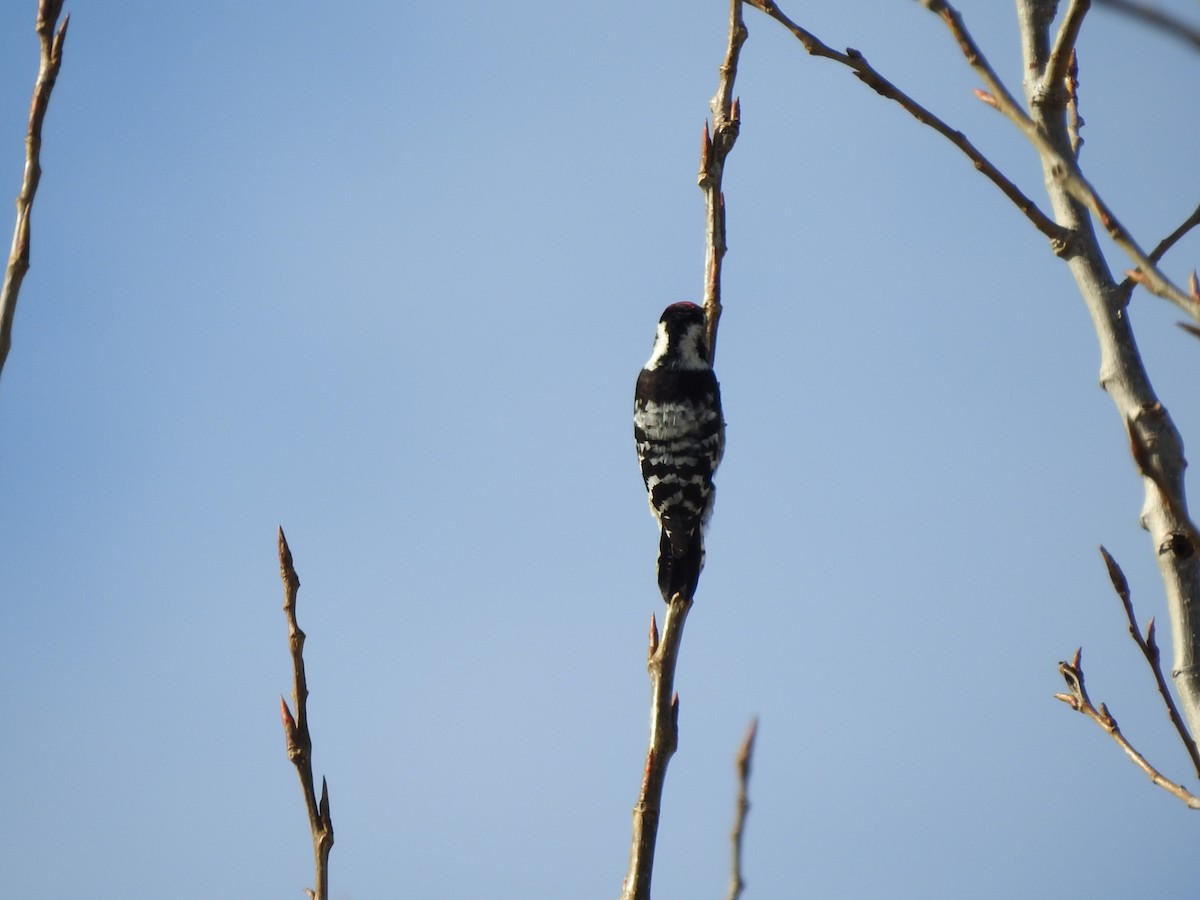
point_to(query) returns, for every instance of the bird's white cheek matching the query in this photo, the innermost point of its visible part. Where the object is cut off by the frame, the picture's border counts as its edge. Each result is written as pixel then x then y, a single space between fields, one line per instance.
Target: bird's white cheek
pixel 660 347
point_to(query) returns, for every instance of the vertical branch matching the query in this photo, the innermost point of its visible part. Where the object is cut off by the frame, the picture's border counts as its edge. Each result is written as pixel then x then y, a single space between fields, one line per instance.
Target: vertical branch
pixel 1155 442
pixel 51 39
pixel 295 728
pixel 664 652
pixel 664 738
pixel 736 882
pixel 726 122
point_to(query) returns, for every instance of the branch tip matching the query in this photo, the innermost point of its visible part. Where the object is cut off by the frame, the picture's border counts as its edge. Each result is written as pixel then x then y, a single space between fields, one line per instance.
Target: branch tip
pixel 1116 576
pixel 323 806
pixel 747 748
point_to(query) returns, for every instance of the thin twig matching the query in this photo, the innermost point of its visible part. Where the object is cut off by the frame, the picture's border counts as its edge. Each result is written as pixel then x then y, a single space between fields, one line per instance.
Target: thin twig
pixel 51 39
pixel 1064 43
pixel 664 738
pixel 1154 16
pixel 726 122
pixel 664 648
pixel 295 729
pixel 1074 120
pixel 1065 170
pixel 1149 647
pixel 736 883
pixel 1078 700
pixel 1161 249
pixel 1059 237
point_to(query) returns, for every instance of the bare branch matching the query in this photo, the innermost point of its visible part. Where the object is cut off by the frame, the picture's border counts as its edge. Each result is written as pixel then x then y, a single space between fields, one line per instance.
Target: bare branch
pixel 1078 700
pixel 1074 120
pixel 1155 17
pixel 1061 57
pixel 1161 249
pixel 726 122
pixel 1061 167
pixel 664 738
pixel 295 729
pixel 51 39
pixel 1149 647
pixel 1004 102
pixel 852 59
pixel 664 648
pixel 736 883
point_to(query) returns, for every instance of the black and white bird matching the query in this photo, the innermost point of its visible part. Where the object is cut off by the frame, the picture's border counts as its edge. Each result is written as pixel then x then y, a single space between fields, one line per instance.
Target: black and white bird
pixel 680 436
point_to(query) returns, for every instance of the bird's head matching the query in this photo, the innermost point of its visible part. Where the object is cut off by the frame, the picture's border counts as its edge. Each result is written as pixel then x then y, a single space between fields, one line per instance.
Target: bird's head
pixel 682 342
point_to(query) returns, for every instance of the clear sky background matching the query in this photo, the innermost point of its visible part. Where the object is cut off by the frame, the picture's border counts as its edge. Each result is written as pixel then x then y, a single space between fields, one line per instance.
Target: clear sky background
pixel 384 273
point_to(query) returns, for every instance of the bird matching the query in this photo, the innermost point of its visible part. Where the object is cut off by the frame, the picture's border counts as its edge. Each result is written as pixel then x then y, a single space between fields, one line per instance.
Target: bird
pixel 679 431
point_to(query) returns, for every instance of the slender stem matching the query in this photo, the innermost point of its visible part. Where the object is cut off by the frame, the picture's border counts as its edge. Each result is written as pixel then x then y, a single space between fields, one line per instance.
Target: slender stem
pixel 1163 246
pixel 51 39
pixel 736 882
pixel 870 76
pixel 726 122
pixel 1149 647
pixel 1047 97
pixel 664 649
pixel 664 738
pixel 295 729
pixel 1077 698
pixel 1064 43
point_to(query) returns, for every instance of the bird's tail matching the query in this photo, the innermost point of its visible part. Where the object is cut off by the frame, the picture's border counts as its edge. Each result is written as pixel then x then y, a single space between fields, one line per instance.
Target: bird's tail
pixel 679 566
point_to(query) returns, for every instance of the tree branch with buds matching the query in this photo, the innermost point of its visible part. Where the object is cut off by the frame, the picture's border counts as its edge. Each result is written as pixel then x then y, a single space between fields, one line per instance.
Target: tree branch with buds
pixel 51 36
pixel 664 649
pixel 664 738
pixel 1048 117
pixel 870 76
pixel 1149 647
pixel 1047 95
pixel 726 123
pixel 1077 698
pixel 295 729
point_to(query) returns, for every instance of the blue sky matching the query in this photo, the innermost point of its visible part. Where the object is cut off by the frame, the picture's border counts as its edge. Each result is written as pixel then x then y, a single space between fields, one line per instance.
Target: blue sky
pixel 385 274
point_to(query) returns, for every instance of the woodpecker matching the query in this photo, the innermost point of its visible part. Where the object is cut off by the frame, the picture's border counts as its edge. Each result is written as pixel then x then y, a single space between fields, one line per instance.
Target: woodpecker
pixel 680 435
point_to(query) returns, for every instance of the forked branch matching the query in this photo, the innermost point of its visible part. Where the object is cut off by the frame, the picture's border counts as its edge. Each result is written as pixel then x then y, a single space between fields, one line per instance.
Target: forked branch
pixel 1149 647
pixel 870 76
pixel 51 35
pixel 1062 167
pixel 1077 698
pixel 295 729
pixel 1160 251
